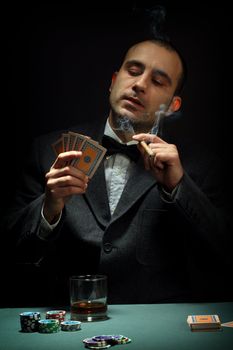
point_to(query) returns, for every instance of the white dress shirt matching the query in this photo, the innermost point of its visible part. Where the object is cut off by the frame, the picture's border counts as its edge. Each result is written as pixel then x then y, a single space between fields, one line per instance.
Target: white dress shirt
pixel 118 168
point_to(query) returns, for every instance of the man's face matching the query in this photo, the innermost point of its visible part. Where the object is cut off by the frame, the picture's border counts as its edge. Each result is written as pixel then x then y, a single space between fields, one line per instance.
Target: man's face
pixel 147 78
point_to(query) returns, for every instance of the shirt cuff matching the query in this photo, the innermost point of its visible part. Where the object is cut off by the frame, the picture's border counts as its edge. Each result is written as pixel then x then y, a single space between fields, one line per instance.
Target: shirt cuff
pixel 46 229
pixel 168 197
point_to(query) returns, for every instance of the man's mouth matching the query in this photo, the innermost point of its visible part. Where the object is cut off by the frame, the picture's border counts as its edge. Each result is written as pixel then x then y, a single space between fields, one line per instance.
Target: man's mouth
pixel 134 101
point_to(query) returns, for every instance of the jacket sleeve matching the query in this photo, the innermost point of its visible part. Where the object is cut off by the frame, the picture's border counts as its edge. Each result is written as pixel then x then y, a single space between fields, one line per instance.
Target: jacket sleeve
pixel 23 220
pixel 205 207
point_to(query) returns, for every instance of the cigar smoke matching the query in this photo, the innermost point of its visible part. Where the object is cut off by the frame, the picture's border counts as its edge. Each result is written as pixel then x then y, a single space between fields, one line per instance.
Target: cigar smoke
pixel 159 115
pixel 125 125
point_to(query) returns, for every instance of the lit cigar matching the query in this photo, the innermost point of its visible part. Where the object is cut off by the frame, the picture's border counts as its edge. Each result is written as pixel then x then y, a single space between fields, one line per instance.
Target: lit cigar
pixel 147 148
pixel 155 129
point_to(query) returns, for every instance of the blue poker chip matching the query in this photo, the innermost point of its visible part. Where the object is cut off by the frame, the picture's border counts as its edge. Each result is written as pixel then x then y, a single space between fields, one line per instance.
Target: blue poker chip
pixel 29 321
pixel 70 326
pixel 98 347
pixel 30 315
pixel 106 338
pixel 105 341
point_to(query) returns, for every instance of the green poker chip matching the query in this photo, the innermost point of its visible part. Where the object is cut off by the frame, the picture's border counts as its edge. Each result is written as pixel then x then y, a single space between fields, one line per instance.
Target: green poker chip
pixel 49 326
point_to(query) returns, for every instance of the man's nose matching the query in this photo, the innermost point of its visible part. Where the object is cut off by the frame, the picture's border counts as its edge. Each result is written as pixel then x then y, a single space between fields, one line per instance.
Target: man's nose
pixel 141 83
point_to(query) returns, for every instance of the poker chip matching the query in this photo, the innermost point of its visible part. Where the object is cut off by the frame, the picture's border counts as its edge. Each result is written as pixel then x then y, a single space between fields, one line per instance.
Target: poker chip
pixel 98 347
pixel 29 321
pixel 70 326
pixel 105 338
pixel 105 341
pixel 55 321
pixel 121 339
pixel 95 343
pixel 56 314
pixel 49 326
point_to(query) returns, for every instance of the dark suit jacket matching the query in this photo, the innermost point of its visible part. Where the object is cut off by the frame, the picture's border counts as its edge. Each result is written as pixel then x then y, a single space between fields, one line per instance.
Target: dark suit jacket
pixel 151 250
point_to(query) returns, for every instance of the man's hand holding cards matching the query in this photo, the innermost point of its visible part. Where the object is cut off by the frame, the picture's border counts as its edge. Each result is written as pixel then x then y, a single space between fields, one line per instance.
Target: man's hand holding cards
pixel 92 151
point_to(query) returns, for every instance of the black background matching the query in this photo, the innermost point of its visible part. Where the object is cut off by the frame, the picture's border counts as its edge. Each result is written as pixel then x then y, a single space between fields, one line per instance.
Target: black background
pixel 60 58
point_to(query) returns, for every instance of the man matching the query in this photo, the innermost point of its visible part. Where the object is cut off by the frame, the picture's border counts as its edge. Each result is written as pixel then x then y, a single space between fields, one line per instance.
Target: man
pixel 151 225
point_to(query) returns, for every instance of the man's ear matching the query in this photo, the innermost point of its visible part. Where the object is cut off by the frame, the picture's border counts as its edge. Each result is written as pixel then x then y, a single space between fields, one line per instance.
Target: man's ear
pixel 175 104
pixel 113 80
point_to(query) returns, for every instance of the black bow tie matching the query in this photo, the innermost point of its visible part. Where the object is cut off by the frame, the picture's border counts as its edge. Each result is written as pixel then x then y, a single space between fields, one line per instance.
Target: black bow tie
pixel 114 147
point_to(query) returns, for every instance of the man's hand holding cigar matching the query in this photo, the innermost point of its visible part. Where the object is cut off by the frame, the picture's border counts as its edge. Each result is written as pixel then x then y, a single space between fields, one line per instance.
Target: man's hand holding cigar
pixel 164 163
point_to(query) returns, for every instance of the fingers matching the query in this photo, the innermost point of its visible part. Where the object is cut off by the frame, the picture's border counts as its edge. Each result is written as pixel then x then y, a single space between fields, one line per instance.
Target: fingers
pixel 62 181
pixel 65 187
pixel 148 146
pixel 67 176
pixel 161 153
pixel 149 138
pixel 165 162
pixel 66 192
pixel 65 157
pixel 66 181
pixel 67 170
pixel 156 163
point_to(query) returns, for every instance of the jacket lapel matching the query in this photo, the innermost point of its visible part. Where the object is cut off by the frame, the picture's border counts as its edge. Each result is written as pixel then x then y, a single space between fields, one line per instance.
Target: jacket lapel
pixel 97 197
pixel 139 183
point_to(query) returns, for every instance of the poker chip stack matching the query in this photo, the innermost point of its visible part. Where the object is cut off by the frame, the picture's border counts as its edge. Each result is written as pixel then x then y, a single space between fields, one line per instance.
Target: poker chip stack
pixel 54 322
pixel 56 315
pixel 70 326
pixel 29 321
pixel 105 341
pixel 49 326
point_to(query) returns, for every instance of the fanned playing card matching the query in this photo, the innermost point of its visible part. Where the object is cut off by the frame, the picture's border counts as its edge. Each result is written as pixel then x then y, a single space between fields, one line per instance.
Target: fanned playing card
pixel 72 140
pixel 78 142
pixel 92 155
pixel 92 151
pixel 58 146
pixel 66 140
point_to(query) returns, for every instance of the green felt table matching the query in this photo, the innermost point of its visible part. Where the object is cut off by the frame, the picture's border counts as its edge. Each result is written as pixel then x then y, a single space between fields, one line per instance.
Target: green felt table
pixel 151 326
